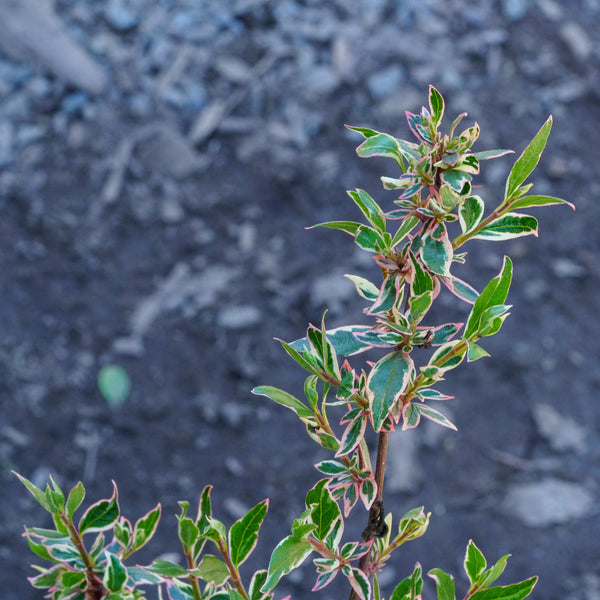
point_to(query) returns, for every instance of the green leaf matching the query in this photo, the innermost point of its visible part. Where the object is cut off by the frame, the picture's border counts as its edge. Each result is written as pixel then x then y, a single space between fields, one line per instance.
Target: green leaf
pixel 410 588
pixel 36 493
pixel 369 208
pixel 407 226
pixel 369 239
pixel 488 154
pixel 516 591
pixel 422 281
pixel 284 399
pixel 213 569
pixel 436 251
pixel 459 181
pixel 470 213
pixel 489 576
pixel 474 562
pixel 528 160
pixel 386 382
pixel 436 104
pixel 352 436
pixel 432 415
pixel 73 579
pixel 495 292
pixel 140 576
pixel 48 578
pixel 289 554
pixel 461 289
pixel 115 575
pixel 419 305
pixel 101 515
pixel 166 568
pixel 360 584
pixel 528 201
pixel 444 584
pixel 257 581
pixel 347 226
pixel 145 527
pixel 188 533
pixel 244 533
pixel 364 131
pixel 324 514
pixel 383 144
pixel 390 295
pixel 114 384
pixel 341 338
pixel 509 226
pixel 475 352
pixel 76 496
pixel 122 531
pixel 294 350
pixel 365 289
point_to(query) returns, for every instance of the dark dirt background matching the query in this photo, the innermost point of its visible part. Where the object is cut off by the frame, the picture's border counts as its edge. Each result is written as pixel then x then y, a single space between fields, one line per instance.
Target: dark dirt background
pixel 159 162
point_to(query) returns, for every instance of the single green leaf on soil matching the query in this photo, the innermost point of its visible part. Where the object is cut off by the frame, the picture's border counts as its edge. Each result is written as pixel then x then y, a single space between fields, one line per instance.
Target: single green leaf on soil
pixel 530 201
pixel 213 570
pixel 284 399
pixel 289 554
pixel 102 515
pixel 114 384
pixel 243 534
pixel 474 562
pixel 528 160
pixel 509 226
pixel 386 382
pixel 470 213
pixel 444 584
pixel 115 574
pixel 495 292
pixel 437 252
pixel 515 591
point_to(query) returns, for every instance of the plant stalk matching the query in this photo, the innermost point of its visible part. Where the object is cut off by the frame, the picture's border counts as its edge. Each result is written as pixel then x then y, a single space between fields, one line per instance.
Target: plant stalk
pixel 382 443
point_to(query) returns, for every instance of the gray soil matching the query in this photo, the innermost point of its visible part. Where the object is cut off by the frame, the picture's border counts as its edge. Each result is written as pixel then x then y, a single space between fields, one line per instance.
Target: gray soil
pixel 159 162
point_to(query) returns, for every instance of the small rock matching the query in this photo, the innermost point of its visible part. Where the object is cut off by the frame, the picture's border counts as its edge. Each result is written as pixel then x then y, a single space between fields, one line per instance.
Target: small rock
pixel 14 436
pixel 121 19
pixel 384 82
pixel 239 317
pixel 564 267
pixel 167 152
pixel 577 40
pixel 320 80
pixel 171 212
pixel 561 432
pixel 514 10
pixel 7 133
pixel 548 502
pixel 74 103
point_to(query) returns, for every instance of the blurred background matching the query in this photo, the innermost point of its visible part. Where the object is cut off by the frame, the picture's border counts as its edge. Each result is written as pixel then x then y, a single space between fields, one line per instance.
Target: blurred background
pixel 159 162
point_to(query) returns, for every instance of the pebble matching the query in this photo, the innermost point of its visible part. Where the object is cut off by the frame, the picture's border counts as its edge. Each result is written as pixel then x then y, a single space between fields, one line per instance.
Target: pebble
pixel 561 432
pixel 547 502
pixel 577 40
pixel 120 18
pixel 384 82
pixel 239 317
pixel 565 268
pixel 514 10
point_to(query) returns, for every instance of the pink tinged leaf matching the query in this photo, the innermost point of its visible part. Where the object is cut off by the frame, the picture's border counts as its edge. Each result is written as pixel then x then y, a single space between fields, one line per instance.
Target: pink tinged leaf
pixel 352 436
pixel 101 515
pixel 532 201
pixel 389 295
pixel 350 499
pixel 461 289
pixel 433 415
pixel 489 154
pixel 386 383
pixel 324 579
pixel 360 584
pixel 368 491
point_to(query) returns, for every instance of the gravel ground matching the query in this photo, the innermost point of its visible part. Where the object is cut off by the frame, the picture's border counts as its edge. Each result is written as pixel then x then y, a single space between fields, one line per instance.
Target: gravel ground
pixel 159 162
